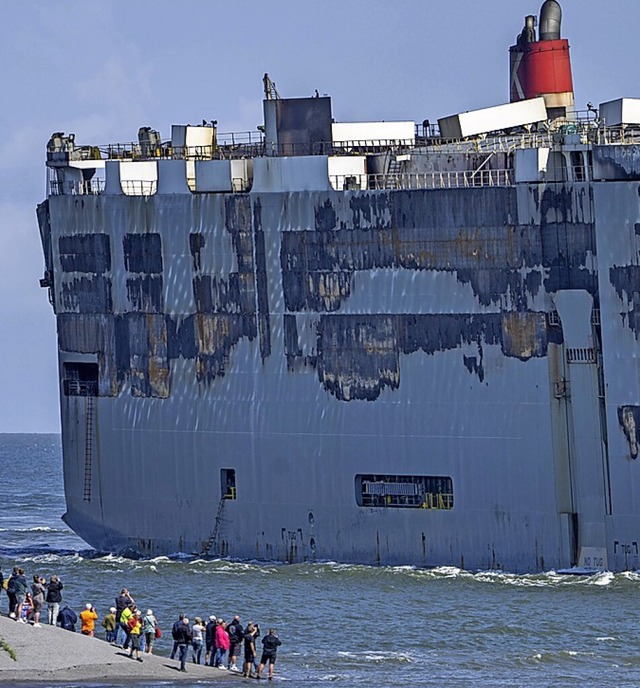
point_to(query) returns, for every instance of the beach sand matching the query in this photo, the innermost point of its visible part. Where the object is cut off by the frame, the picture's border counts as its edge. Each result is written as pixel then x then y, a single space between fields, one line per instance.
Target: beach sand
pixel 51 654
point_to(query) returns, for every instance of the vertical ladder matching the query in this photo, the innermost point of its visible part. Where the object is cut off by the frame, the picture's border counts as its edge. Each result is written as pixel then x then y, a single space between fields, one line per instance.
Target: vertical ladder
pixel 216 528
pixel 88 446
pixel 393 172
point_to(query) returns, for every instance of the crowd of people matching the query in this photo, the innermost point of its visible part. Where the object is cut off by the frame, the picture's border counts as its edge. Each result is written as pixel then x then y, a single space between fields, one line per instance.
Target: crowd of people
pixel 225 645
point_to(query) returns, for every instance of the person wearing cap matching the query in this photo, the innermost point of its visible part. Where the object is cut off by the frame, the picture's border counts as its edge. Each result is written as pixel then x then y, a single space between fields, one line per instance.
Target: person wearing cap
pixel 109 625
pixel 88 618
pixel 209 640
pixel 149 624
pixel 236 636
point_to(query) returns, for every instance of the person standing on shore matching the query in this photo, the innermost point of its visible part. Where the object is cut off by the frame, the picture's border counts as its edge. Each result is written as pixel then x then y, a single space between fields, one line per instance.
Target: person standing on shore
pixel 251 632
pixel 149 624
pixel 209 638
pixel 236 636
pixel 11 592
pixel 88 618
pixel 222 644
pixel 135 630
pixel 125 617
pixel 123 601
pixel 20 587
pixel 196 643
pixel 37 595
pixel 54 597
pixel 177 625
pixel 109 625
pixel 183 637
pixel 270 644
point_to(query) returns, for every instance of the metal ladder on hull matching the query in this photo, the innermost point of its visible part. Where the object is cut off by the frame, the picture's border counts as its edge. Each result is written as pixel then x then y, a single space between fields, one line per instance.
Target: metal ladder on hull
pixel 88 447
pixel 216 528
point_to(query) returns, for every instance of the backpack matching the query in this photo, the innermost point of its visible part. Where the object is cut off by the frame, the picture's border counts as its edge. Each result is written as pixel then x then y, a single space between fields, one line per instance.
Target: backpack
pixel 174 630
pixel 11 585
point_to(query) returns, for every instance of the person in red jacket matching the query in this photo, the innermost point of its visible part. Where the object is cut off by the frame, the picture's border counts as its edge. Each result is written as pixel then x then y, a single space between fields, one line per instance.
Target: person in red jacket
pixel 222 644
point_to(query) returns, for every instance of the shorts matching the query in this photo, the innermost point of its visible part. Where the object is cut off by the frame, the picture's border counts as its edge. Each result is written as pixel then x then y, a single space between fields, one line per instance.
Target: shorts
pixel 235 649
pixel 135 641
pixel 37 605
pixel 19 599
pixel 265 659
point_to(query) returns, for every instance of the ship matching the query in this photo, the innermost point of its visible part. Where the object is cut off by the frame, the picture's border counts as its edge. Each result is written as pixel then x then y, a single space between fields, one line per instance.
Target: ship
pixel 378 343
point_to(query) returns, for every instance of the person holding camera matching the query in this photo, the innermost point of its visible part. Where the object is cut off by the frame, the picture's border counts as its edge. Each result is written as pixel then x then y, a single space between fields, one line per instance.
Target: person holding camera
pixel 54 597
pixel 88 619
pixel 251 632
pixel 270 644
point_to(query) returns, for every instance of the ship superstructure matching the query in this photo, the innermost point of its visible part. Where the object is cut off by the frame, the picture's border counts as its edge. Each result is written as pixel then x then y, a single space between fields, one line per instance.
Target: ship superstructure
pixel 368 342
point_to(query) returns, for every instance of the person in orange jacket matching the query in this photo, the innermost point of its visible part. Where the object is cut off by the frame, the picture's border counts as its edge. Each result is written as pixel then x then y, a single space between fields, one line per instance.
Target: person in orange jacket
pixel 88 619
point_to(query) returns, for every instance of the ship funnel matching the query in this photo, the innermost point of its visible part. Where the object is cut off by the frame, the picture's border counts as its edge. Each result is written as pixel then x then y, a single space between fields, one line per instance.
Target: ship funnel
pixel 550 20
pixel 543 67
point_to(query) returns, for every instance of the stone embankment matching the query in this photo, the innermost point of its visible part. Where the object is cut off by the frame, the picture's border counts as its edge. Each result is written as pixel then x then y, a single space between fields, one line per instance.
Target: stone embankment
pixel 49 654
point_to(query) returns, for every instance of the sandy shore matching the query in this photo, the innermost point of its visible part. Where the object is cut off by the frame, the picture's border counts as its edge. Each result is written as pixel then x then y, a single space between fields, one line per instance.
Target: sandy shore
pixel 51 654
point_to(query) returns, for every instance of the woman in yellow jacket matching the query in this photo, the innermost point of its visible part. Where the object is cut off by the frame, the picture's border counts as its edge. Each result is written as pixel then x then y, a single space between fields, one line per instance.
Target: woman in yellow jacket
pixel 135 629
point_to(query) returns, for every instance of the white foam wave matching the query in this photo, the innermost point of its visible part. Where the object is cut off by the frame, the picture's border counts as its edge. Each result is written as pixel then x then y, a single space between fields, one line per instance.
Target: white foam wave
pixel 377 657
pixel 35 529
pixel 604 578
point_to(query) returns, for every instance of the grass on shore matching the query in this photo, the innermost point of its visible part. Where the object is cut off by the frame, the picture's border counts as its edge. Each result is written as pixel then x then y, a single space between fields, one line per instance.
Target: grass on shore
pixel 8 649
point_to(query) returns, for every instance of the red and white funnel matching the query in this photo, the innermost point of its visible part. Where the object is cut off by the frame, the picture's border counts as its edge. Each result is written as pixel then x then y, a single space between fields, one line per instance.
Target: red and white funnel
pixel 543 67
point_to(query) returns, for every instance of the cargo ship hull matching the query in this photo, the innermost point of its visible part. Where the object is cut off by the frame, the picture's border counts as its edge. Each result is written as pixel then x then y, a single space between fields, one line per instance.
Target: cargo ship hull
pixel 353 342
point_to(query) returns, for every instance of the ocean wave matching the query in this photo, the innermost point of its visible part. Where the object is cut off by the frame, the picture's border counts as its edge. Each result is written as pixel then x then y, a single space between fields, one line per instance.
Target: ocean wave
pixel 46 553
pixel 37 529
pixel 378 657
pixel 561 657
pixel 604 578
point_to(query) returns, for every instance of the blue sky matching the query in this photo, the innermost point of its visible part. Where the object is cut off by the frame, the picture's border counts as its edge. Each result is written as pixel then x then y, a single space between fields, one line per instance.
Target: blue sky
pixel 102 69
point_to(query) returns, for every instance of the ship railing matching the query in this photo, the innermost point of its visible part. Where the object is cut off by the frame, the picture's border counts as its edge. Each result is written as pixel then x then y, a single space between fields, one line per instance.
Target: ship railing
pixel 75 188
pixel 226 145
pixel 619 135
pixel 138 187
pixel 130 187
pixel 80 388
pixel 437 500
pixel 459 179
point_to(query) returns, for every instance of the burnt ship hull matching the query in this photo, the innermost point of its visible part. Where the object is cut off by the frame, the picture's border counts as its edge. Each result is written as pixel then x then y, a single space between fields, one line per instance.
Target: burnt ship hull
pixel 417 350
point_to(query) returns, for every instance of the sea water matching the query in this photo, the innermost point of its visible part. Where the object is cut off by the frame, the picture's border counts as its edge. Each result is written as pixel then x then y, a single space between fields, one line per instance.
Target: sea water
pixel 341 624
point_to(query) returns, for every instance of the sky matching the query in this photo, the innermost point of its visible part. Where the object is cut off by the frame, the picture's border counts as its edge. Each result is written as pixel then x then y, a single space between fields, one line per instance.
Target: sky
pixel 103 68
